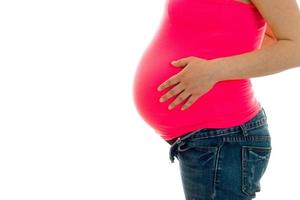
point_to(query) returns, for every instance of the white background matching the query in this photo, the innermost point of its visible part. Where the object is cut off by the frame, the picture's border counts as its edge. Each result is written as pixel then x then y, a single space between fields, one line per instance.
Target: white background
pixel 68 125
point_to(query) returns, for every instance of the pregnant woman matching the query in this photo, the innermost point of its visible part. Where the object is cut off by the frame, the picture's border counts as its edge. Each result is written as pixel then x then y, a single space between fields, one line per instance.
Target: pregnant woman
pixel 192 85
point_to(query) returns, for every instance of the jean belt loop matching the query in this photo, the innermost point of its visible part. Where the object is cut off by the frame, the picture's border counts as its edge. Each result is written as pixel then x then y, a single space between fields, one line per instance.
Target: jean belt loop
pixel 180 141
pixel 244 130
pixel 264 112
pixel 173 149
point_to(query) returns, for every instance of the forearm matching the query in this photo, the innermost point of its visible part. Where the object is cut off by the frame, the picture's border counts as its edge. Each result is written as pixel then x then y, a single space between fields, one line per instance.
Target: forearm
pixel 280 56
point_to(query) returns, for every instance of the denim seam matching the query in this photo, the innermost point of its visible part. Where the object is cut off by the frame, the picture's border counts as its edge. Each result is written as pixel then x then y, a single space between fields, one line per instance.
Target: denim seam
pixel 247 138
pixel 216 169
pixel 194 137
pixel 244 171
pixel 258 148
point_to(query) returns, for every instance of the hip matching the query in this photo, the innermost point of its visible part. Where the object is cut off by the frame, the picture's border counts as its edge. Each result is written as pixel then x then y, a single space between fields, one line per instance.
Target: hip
pixel 224 163
pixel 254 131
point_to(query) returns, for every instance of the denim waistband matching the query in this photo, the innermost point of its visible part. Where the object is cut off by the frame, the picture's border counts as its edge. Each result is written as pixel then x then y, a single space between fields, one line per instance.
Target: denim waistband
pixel 258 120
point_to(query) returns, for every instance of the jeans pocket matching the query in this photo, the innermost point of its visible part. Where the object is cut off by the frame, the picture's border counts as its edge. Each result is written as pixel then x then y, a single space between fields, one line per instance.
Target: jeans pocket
pixel 254 163
pixel 198 154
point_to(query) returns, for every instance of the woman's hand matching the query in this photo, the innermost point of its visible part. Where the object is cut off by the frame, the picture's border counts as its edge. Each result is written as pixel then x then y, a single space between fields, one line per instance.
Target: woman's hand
pixel 197 77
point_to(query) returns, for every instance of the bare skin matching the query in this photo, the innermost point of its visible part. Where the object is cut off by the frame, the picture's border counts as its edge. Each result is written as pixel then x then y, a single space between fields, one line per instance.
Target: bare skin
pixel 281 51
pixel 244 1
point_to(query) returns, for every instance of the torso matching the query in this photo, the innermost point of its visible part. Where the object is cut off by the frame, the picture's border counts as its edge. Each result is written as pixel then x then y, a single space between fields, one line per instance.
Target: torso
pixel 207 29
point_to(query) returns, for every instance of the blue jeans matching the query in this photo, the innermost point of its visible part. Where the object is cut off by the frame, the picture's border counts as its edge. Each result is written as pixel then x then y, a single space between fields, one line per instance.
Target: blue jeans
pixel 224 163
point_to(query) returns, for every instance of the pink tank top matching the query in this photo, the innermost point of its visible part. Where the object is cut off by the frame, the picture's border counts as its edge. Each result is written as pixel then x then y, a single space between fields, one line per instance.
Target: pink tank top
pixel 206 29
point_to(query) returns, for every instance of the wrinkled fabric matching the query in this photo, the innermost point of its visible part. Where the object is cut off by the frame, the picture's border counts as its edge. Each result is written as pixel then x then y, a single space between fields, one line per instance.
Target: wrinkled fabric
pixel 206 29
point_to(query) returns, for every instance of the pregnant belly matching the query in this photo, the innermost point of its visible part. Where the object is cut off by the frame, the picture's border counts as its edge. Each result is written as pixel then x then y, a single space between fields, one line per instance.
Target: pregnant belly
pixel 227 103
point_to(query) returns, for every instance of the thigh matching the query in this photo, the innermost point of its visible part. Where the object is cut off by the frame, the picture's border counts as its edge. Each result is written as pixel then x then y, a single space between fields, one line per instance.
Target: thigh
pixel 197 164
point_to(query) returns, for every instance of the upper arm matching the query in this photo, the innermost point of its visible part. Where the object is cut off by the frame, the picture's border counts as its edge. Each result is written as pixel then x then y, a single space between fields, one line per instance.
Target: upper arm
pixel 269 37
pixel 282 17
pixel 270 33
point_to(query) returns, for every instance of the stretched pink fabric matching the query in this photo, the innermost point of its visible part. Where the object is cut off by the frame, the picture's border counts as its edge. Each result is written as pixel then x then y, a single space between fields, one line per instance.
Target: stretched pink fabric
pixel 206 29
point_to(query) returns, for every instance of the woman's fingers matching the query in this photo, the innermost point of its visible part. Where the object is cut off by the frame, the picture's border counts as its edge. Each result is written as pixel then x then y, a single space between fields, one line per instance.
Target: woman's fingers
pixel 171 81
pixel 180 98
pixel 174 91
pixel 190 101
